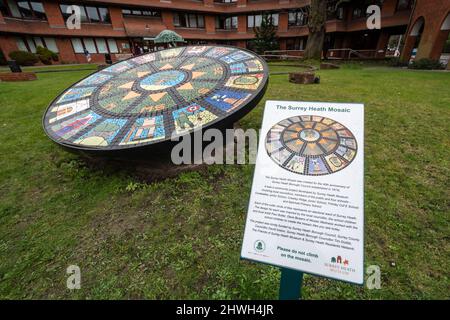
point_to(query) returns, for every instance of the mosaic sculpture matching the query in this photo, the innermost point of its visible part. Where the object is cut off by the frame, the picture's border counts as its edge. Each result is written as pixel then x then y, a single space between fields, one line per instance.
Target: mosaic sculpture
pixel 142 101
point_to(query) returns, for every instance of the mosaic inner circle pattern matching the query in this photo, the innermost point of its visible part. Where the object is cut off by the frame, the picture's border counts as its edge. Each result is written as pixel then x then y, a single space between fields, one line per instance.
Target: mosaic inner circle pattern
pixel 162 80
pixel 311 145
pixel 142 100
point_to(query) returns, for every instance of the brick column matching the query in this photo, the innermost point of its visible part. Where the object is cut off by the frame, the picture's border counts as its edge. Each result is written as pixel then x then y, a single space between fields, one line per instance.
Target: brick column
pixel 382 44
pixel 283 21
pixel 66 53
pixel 408 47
pixel 116 18
pixel 439 44
pixel 242 24
pixel 241 44
pixel 210 24
pixel 167 19
pixel 54 15
pixel 7 45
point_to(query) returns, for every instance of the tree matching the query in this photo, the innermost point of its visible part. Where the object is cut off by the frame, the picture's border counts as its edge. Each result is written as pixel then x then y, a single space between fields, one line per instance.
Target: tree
pixel 316 25
pixel 265 36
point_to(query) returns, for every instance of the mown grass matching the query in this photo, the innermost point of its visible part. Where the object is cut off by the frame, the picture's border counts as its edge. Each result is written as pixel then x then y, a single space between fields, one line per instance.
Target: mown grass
pixel 181 237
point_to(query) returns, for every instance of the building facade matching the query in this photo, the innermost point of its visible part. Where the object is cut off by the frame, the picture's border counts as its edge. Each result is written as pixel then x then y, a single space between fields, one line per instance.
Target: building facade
pixel 119 27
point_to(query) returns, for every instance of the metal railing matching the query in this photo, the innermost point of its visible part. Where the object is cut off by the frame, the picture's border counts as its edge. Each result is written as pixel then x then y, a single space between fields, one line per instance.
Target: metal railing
pixel 336 54
pixel 349 53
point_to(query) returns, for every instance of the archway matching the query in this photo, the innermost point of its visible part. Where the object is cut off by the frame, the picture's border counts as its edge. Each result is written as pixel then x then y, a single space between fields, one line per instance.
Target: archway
pixel 413 40
pixel 441 49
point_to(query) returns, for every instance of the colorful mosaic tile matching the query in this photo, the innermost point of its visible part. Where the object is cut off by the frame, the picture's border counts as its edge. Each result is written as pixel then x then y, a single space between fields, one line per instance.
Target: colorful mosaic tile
pixel 245 81
pixel 71 127
pixel 75 94
pixel 247 66
pixel 140 101
pixel 227 100
pixel 311 145
pixel 95 79
pixel 66 110
pixel 118 67
pixel 145 130
pixel 102 134
pixel 170 53
pixel 191 117
pixel 217 52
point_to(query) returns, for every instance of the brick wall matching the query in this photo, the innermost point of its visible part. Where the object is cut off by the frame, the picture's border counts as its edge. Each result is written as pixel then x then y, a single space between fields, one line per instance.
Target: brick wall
pixel 17 76
pixel 432 40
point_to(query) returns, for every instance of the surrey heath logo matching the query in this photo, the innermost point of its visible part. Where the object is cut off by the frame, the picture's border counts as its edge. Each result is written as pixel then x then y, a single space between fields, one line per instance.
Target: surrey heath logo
pixel 340 260
pixel 259 245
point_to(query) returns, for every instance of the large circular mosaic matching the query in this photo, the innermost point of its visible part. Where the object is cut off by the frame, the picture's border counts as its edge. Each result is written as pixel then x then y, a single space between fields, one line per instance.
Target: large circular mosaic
pixel 143 100
pixel 311 145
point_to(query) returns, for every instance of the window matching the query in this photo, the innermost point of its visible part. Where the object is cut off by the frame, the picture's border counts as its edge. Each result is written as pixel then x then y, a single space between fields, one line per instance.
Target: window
pixel 31 43
pixel 4 8
pixel 226 23
pixel 295 43
pixel 360 9
pixel 357 13
pixel 141 12
pixel 112 46
pixel 334 13
pixel 188 20
pixel 89 14
pixel 104 14
pixel 404 4
pixel 77 45
pixel 298 17
pixel 93 14
pixel 23 9
pixel 255 20
pixel 94 45
pixel 89 45
pixel 101 45
pixel 50 43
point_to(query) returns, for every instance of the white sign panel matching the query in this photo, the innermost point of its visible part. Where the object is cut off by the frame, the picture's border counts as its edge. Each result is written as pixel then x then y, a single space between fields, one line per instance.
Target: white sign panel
pixel 306 208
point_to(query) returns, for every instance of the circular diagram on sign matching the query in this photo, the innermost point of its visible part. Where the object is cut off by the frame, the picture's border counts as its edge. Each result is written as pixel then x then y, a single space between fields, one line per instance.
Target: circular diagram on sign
pixel 311 145
pixel 143 100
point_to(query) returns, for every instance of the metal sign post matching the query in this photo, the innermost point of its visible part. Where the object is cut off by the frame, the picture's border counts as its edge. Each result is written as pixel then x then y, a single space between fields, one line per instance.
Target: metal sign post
pixel 290 284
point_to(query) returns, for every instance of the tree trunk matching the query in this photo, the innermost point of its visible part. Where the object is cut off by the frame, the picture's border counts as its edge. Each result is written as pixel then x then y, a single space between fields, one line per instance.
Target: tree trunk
pixel 316 26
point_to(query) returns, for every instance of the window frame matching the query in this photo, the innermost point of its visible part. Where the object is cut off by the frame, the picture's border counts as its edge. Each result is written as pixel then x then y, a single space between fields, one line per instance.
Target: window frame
pixel 34 16
pixel 232 18
pixel 187 20
pixel 94 40
pixel 154 13
pixel 32 38
pixel 86 14
pixel 262 14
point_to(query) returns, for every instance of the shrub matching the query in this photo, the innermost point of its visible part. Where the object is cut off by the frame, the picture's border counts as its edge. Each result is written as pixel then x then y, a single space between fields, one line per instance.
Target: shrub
pixel 396 62
pixel 45 55
pixel 24 58
pixel 426 64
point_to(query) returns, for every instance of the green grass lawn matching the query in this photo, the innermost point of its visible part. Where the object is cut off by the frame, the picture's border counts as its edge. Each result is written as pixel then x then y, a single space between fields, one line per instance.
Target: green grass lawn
pixel 181 237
